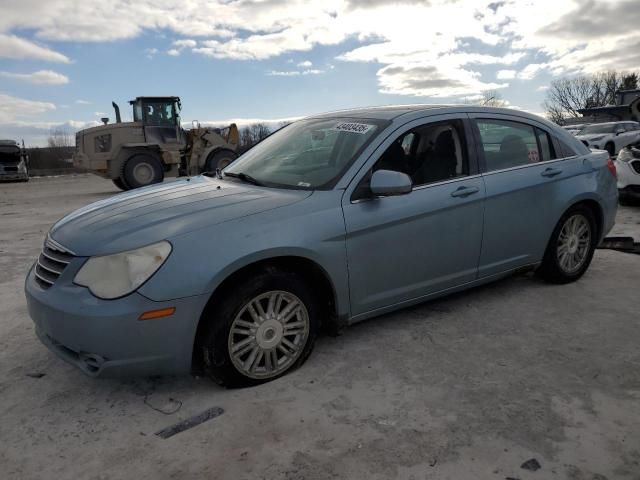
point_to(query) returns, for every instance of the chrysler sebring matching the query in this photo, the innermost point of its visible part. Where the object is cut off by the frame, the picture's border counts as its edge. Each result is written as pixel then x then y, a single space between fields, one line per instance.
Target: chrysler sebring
pixel 331 220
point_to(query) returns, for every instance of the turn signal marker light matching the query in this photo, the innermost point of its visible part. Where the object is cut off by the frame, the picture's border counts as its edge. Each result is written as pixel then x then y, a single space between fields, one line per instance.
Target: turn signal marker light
pixel 163 312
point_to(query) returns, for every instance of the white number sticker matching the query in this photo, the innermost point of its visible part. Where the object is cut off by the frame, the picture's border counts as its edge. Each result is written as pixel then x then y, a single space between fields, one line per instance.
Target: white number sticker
pixel 360 128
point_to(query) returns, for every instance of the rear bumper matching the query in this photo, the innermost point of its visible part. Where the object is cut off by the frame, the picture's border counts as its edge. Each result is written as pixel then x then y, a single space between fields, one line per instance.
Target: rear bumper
pixel 105 337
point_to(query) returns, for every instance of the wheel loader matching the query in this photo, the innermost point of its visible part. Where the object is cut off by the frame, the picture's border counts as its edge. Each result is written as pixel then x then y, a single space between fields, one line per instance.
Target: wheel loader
pixel 154 145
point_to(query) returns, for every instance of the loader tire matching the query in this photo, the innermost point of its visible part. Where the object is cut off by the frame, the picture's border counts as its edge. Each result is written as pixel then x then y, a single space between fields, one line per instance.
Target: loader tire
pixel 219 160
pixel 142 170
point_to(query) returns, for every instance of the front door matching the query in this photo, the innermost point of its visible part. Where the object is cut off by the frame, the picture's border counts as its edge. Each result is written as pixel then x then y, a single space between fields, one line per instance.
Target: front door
pixel 404 247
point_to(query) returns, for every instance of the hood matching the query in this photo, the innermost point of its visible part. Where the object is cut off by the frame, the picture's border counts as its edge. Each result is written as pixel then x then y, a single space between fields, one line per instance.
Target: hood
pixel 147 215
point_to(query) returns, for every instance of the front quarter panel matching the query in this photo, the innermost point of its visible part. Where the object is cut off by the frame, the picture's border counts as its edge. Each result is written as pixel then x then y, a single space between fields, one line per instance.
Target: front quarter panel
pixel 202 259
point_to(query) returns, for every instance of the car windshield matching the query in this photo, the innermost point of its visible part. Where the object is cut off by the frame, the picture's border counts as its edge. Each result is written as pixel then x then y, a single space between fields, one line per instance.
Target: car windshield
pixel 308 154
pixel 610 128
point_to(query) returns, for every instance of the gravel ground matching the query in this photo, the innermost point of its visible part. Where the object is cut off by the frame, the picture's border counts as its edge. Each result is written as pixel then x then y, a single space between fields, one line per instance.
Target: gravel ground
pixel 466 387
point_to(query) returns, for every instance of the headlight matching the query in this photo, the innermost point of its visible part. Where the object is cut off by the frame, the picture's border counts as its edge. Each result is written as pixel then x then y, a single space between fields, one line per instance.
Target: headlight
pixel 113 276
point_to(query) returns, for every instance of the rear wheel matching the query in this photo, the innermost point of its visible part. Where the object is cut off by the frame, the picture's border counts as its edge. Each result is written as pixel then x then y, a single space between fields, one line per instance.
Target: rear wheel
pixel 571 247
pixel 219 160
pixel 262 330
pixel 142 170
pixel 119 183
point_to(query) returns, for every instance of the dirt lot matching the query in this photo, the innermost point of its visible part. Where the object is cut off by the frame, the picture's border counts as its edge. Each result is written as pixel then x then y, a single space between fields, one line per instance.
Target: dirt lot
pixel 468 387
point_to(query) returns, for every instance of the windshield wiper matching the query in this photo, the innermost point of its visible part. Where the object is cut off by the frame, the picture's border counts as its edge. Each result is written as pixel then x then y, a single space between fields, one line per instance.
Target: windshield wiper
pixel 244 177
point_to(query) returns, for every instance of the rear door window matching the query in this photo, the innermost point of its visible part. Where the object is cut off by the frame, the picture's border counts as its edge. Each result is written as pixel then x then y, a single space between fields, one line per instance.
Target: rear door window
pixel 507 144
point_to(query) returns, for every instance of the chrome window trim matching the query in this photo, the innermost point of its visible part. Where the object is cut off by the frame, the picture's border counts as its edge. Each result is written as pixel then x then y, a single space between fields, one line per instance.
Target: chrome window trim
pixel 528 165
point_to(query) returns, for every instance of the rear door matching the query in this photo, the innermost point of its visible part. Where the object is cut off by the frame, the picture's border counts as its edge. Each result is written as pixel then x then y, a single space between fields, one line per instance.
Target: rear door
pixel 404 247
pixel 523 178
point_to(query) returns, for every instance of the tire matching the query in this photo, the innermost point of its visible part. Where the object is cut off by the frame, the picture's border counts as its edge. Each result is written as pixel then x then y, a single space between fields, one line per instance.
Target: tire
pixel 118 182
pixel 142 170
pixel 611 148
pixel 562 268
pixel 219 160
pixel 262 338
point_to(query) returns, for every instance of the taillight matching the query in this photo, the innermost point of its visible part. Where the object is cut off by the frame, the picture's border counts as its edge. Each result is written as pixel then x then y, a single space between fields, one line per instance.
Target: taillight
pixel 612 168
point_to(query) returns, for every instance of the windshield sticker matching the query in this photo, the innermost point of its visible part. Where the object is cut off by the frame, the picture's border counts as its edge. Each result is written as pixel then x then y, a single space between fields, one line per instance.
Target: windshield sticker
pixel 304 184
pixel 360 128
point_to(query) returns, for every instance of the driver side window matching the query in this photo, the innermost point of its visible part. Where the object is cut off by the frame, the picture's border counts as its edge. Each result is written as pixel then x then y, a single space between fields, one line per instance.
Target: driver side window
pixel 431 153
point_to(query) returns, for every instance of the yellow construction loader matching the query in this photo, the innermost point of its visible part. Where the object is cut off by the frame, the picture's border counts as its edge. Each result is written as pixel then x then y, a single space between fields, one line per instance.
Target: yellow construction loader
pixel 154 145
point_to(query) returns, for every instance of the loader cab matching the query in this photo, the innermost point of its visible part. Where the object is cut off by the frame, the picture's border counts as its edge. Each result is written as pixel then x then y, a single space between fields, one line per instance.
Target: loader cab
pixel 160 117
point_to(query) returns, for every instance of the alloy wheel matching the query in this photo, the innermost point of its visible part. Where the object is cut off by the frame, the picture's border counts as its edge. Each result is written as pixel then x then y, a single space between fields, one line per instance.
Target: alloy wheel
pixel 574 242
pixel 269 334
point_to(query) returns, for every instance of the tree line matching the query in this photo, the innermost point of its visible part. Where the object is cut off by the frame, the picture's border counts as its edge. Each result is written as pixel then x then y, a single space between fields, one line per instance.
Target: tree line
pixel 566 96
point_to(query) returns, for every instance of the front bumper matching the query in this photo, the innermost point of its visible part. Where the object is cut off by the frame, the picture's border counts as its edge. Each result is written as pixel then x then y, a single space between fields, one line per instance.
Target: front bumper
pixel 105 337
pixel 628 176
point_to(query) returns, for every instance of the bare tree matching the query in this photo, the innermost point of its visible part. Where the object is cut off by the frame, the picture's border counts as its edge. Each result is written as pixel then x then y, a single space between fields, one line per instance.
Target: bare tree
pixel 488 98
pixel 568 95
pixel 252 134
pixel 492 98
pixel 60 137
pixel 630 82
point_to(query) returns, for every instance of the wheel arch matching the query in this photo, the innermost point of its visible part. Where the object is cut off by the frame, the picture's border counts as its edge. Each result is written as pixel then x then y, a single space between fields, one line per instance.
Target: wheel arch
pixel 595 207
pixel 310 270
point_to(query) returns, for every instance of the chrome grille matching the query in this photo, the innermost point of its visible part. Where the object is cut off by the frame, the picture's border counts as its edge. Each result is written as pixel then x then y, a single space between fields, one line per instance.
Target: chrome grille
pixel 52 261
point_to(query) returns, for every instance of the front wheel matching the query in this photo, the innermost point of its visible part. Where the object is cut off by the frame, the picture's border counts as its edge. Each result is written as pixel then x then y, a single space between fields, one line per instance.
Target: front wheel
pixel 260 331
pixel 571 247
pixel 142 170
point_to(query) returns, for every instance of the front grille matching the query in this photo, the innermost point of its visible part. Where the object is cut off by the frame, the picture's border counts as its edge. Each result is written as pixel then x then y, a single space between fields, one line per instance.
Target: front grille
pixel 51 263
pixel 636 165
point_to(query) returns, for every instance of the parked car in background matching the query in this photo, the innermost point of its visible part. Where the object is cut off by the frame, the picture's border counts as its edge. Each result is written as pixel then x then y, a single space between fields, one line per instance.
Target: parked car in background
pixel 329 221
pixel 611 136
pixel 575 129
pixel 628 167
pixel 14 161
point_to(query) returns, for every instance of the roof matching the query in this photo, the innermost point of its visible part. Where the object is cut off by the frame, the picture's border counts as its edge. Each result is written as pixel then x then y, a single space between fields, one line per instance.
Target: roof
pixel 154 98
pixel 604 109
pixel 389 112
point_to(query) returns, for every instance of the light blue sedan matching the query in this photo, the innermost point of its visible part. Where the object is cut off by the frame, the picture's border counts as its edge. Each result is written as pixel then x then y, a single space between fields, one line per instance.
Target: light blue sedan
pixel 331 220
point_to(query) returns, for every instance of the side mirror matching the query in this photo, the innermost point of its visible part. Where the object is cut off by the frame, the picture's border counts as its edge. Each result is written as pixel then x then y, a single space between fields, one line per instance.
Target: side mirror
pixel 386 183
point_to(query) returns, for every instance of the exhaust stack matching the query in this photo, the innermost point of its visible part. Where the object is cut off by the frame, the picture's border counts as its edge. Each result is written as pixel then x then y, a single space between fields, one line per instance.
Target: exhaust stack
pixel 117 109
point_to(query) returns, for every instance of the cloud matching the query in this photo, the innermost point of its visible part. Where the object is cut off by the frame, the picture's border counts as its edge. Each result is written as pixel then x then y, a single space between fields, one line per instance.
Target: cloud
pixel 41 77
pixel 294 73
pixel 82 102
pixel 13 108
pixel 305 64
pixel 19 48
pixel 403 37
pixel 150 52
pixel 506 74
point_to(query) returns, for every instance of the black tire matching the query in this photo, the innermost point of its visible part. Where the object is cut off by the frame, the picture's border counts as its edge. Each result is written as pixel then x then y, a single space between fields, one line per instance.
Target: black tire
pixel 219 160
pixel 118 182
pixel 550 268
pixel 215 338
pixel 611 148
pixel 148 164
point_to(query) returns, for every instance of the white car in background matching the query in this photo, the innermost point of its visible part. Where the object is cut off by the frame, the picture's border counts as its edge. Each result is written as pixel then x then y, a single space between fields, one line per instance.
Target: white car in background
pixel 628 168
pixel 575 129
pixel 611 136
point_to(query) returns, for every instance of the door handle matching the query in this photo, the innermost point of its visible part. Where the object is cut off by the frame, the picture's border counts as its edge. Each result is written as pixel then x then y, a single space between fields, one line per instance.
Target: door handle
pixel 464 191
pixel 551 172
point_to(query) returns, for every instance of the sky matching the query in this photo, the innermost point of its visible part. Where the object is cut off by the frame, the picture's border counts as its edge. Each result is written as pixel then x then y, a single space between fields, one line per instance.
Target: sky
pixel 62 62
